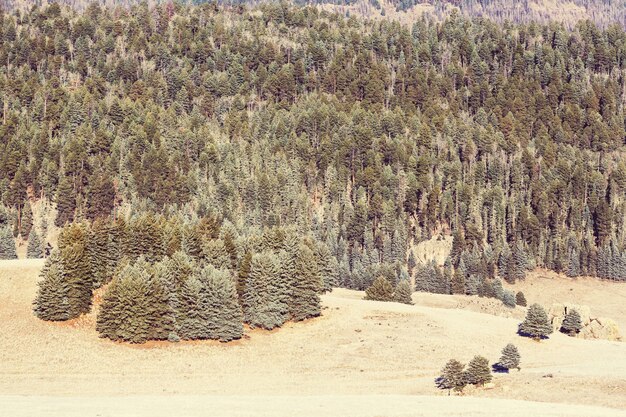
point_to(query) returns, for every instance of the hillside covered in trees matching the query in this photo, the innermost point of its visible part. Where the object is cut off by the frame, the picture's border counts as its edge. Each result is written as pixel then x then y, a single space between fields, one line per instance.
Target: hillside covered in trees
pixel 362 138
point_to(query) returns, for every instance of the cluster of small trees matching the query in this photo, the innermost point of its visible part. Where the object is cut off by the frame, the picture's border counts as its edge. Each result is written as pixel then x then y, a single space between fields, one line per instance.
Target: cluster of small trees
pixel 382 290
pixel 175 279
pixel 455 376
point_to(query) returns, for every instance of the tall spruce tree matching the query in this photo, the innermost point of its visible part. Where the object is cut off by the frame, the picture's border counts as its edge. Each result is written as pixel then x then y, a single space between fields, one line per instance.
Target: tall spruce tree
pixel 52 301
pixel 223 312
pixel 305 301
pixel 380 290
pixel 263 303
pixel 403 292
pixel 571 323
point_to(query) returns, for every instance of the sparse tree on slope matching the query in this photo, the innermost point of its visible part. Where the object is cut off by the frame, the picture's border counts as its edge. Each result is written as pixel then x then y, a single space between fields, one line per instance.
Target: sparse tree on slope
pixel 536 324
pixel 520 299
pixel 510 358
pixel 452 377
pixel 478 372
pixel 571 323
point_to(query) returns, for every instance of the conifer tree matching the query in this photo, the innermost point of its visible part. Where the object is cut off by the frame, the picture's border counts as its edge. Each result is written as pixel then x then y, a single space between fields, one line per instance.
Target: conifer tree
pixel 216 254
pixel 223 312
pixel 452 377
pixel 478 372
pixel 26 223
pixel 66 201
pixel 403 292
pixel 520 299
pixel 510 358
pixel 243 273
pixel 380 290
pixel 52 302
pixel 327 266
pixel 536 324
pixel 35 245
pixel 571 323
pixel 508 299
pixel 263 303
pixel 7 244
pixel 305 301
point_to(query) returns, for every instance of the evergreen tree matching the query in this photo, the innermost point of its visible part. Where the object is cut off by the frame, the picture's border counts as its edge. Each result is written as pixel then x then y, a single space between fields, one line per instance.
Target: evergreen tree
pixel 380 290
pixel 478 372
pixel 7 244
pixel 510 358
pixel 52 302
pixel 305 302
pixel 520 299
pixel 508 299
pixel 452 377
pixel 403 292
pixel 223 312
pixel 35 245
pixel 571 323
pixel 66 201
pixel 536 324
pixel 26 221
pixel 263 303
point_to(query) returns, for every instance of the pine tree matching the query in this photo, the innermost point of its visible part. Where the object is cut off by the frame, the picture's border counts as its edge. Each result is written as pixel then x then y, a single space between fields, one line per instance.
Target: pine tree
pixel 243 273
pixel 26 223
pixel 66 201
pixel 305 302
pixel 327 266
pixel 452 377
pixel 571 323
pixel 223 312
pixel 263 303
pixel 510 358
pixel 35 245
pixel 478 372
pixel 125 311
pixel 516 267
pixel 508 299
pixel 403 292
pixel 7 244
pixel 536 324
pixel 520 299
pixel 216 254
pixel 52 301
pixel 380 290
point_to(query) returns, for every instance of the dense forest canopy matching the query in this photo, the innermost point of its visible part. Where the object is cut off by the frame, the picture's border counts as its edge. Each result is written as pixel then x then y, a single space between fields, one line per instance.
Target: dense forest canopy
pixel 370 135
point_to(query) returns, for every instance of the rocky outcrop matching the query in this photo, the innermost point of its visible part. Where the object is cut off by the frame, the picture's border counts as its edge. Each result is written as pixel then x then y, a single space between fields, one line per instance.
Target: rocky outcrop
pixel 593 327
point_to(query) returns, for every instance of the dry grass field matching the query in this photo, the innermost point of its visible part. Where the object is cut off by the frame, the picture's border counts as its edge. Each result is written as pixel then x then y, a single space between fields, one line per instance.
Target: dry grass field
pixel 360 358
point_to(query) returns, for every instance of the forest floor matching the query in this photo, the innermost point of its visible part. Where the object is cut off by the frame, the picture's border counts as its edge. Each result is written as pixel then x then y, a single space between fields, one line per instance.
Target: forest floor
pixel 360 358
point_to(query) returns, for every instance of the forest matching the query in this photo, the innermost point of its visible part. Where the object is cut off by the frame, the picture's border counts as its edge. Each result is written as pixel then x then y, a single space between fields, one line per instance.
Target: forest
pixel 357 138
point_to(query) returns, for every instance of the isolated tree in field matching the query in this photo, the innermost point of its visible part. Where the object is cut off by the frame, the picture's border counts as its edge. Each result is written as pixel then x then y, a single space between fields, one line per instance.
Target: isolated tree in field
pixel 536 324
pixel 305 301
pixel 52 301
pixel 403 292
pixel 222 310
pixel 452 377
pixel 7 244
pixel 571 323
pixel 35 245
pixel 510 358
pixel 478 372
pixel 520 299
pixel 380 290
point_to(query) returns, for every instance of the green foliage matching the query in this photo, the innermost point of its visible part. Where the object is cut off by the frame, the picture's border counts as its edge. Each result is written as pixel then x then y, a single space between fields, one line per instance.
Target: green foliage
pixel 571 323
pixel 510 358
pixel 265 299
pixel 478 371
pixel 536 324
